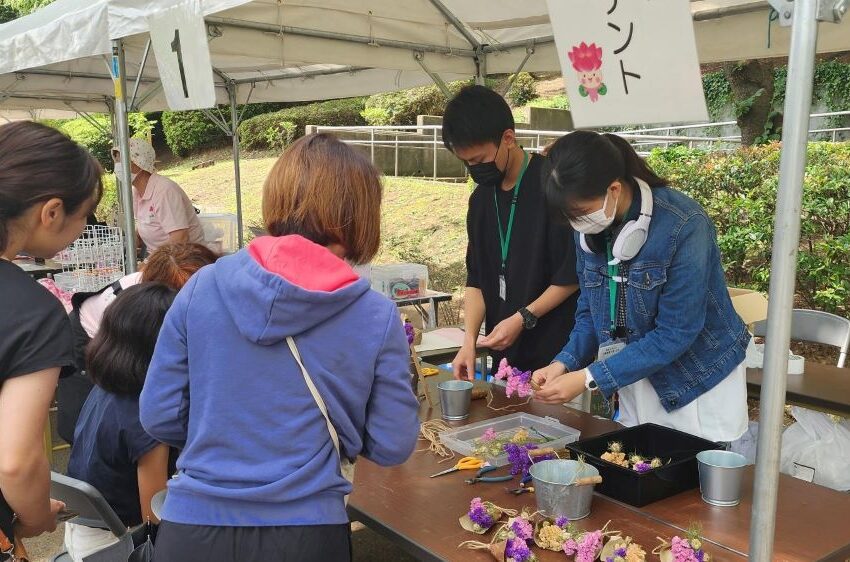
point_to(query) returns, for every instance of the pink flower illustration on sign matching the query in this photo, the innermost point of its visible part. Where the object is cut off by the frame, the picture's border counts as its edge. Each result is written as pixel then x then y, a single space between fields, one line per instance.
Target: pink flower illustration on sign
pixel 587 62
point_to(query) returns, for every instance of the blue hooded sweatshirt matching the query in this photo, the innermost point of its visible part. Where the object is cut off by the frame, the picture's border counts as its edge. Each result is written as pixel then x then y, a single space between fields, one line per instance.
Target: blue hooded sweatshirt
pixel 224 387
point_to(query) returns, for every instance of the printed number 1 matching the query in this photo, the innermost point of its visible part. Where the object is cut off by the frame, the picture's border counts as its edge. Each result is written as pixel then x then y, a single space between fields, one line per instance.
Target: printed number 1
pixel 175 48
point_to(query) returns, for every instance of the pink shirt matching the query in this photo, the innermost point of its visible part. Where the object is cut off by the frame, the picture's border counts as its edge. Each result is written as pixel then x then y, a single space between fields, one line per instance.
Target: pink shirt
pixel 92 309
pixel 162 209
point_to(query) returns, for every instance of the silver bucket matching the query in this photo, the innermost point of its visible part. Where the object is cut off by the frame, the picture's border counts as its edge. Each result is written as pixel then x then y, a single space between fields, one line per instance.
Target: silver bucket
pixel 556 496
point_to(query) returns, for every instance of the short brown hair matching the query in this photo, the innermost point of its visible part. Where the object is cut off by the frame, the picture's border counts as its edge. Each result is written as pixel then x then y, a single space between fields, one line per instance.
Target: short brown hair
pixel 324 190
pixel 38 163
pixel 173 264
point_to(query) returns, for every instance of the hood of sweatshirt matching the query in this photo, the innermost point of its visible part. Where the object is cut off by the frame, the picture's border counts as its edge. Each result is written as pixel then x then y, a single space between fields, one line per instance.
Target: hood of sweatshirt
pixel 284 286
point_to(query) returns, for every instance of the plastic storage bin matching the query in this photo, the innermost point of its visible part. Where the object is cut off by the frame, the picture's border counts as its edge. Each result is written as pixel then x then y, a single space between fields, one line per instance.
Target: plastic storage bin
pixel 648 440
pixel 220 232
pixel 400 281
pixel 462 440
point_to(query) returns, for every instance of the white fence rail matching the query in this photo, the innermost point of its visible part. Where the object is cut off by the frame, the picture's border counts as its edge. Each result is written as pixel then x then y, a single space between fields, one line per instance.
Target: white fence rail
pixel 428 137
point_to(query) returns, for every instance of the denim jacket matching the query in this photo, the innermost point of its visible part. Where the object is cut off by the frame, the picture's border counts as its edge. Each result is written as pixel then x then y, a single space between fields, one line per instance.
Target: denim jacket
pixel 682 332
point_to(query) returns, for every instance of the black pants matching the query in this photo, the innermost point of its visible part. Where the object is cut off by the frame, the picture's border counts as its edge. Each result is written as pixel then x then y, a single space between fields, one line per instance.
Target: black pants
pixel 198 543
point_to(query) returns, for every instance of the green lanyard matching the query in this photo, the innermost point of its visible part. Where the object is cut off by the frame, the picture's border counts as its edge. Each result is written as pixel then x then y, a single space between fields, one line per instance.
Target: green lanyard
pixel 613 271
pixel 505 238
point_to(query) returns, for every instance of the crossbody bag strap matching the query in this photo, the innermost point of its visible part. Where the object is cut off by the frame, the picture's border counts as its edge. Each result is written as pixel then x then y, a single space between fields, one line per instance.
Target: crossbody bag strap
pixel 315 392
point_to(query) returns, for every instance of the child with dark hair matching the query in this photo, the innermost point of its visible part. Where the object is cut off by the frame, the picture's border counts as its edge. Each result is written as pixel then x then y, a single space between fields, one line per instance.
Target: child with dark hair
pixel 520 264
pixel 111 450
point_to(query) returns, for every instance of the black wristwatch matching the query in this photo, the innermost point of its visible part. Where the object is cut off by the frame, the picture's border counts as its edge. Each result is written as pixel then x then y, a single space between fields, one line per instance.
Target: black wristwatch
pixel 529 320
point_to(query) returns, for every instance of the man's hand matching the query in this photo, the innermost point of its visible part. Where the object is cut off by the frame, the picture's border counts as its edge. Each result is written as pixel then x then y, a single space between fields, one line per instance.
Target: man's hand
pixel 463 366
pixel 25 529
pixel 562 388
pixel 504 334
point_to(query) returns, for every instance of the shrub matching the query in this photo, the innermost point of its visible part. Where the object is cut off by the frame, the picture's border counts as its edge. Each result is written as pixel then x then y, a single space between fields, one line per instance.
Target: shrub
pixel 266 131
pixel 738 190
pixel 522 90
pixel 276 130
pixel 97 141
pixel 555 102
pixel 402 107
pixel 186 131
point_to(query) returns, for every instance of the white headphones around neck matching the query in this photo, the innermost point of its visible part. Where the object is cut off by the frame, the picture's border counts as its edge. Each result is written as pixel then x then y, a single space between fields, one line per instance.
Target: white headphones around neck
pixel 633 234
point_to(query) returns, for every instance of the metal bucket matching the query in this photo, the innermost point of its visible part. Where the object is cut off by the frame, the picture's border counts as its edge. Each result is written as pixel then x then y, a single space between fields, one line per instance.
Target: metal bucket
pixel 455 399
pixel 720 475
pixel 556 496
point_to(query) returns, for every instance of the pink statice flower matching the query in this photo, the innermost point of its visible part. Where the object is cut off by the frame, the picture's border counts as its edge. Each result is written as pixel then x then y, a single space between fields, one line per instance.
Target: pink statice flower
pixel 504 370
pixel 589 547
pixel 682 550
pixel 570 547
pixel 522 528
pixel 489 435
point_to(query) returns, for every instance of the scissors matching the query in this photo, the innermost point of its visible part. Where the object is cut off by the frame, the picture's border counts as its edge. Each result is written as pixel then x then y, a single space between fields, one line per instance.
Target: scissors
pixel 466 463
pixel 484 470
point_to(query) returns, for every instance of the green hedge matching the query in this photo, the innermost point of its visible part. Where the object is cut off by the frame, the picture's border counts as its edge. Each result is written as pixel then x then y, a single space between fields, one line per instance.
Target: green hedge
pixel 522 90
pixel 266 131
pixel 187 131
pixel 402 107
pixel 98 142
pixel 276 130
pixel 738 190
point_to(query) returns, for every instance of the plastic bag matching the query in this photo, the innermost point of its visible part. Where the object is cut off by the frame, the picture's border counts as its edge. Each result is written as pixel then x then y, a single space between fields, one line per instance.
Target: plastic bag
pixel 819 442
pixel 748 443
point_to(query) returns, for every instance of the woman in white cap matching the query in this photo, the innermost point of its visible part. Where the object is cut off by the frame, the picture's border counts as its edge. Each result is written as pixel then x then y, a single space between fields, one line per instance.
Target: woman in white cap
pixel 164 214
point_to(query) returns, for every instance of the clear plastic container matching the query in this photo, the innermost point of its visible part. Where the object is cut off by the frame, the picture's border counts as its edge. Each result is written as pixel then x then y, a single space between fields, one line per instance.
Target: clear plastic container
pixel 462 440
pixel 400 281
pixel 220 232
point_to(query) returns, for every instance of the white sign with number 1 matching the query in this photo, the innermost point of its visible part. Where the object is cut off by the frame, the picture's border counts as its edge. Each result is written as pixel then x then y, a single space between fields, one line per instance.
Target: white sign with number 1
pixel 179 40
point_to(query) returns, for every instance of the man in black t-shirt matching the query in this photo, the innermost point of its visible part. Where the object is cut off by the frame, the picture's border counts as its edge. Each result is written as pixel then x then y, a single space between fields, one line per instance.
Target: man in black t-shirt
pixel 521 279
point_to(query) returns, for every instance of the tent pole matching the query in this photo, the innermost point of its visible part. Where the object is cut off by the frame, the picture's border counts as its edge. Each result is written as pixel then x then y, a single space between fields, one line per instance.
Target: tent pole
pixel 786 236
pixel 122 140
pixel 237 177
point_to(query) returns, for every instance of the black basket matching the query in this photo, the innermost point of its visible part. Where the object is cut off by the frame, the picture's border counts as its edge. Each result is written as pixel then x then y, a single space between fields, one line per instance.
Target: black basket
pixel 678 451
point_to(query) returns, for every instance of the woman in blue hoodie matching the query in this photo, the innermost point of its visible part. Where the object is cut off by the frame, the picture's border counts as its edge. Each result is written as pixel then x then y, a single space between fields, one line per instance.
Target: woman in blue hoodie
pixel 259 476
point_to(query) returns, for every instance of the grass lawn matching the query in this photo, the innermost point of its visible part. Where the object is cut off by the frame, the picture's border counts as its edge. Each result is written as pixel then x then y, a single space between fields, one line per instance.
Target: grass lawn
pixel 423 220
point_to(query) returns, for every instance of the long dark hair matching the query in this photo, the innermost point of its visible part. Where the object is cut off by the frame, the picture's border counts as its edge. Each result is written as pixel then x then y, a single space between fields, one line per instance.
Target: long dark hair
pixel 581 165
pixel 38 163
pixel 117 358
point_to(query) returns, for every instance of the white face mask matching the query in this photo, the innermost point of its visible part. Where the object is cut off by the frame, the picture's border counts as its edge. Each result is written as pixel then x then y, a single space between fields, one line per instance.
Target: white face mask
pixel 119 172
pixel 597 221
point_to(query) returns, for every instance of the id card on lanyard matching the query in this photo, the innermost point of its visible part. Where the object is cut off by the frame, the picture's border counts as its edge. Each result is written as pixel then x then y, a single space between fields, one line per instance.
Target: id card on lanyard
pixel 617 314
pixel 505 237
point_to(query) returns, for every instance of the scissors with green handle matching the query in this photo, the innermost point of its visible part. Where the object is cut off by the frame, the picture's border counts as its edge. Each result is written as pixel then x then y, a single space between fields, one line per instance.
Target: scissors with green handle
pixel 466 463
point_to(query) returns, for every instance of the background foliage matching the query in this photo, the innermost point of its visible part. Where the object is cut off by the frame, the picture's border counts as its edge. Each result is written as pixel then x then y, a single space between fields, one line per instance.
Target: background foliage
pixel 738 190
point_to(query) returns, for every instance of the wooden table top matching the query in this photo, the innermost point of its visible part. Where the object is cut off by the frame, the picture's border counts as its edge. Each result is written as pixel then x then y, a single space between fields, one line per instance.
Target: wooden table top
pixel 421 513
pixel 822 387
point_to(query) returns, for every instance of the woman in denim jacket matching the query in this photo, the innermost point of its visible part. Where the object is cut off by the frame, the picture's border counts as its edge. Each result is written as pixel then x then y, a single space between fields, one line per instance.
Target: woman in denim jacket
pixel 655 323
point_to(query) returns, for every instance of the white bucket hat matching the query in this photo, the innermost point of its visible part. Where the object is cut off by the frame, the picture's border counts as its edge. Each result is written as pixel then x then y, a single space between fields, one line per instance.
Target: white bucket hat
pixel 142 154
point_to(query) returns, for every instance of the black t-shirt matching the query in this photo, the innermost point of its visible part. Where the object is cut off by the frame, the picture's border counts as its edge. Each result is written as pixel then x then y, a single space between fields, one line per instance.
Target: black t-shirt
pixel 35 333
pixel 108 444
pixel 541 253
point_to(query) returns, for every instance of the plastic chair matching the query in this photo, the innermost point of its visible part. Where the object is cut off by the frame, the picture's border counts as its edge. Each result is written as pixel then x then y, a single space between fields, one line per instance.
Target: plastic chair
pixel 814 326
pixel 93 511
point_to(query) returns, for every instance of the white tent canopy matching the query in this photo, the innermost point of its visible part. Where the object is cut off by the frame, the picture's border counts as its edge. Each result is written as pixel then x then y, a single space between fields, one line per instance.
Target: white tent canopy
pixel 319 49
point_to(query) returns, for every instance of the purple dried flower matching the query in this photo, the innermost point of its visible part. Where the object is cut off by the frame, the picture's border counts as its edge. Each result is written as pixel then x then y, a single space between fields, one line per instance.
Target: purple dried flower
pixel 518 457
pixel 642 467
pixel 522 528
pixel 562 522
pixel 517 550
pixel 479 515
pixel 621 552
pixel 409 331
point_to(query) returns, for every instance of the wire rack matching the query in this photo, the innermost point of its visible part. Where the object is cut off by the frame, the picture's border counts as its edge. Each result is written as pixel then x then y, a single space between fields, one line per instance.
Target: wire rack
pixel 93 261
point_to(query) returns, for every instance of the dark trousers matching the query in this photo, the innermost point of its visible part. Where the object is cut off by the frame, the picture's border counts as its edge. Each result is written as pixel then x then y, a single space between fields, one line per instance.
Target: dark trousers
pixel 198 543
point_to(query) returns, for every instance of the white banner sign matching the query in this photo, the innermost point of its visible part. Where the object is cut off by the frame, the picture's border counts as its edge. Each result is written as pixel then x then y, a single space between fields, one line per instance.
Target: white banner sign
pixel 628 62
pixel 179 40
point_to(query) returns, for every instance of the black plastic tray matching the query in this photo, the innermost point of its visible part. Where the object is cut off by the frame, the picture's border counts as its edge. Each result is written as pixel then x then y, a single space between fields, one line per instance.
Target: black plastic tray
pixel 648 440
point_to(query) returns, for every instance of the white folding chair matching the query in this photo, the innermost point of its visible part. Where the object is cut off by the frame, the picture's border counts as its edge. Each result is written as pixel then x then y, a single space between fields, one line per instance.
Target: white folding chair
pixel 814 326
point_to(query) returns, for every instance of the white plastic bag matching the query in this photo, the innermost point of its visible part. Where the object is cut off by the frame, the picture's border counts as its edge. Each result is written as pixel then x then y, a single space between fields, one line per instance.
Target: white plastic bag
pixel 818 442
pixel 748 443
